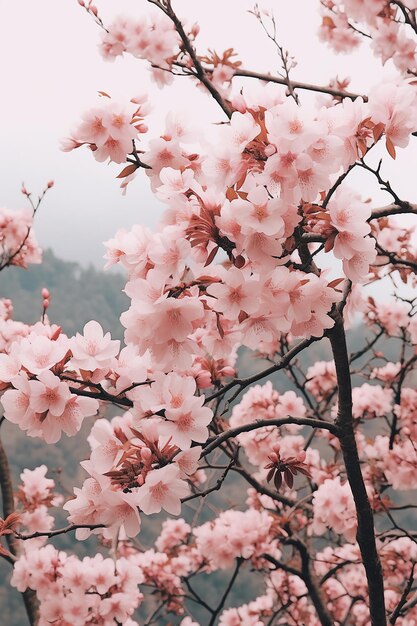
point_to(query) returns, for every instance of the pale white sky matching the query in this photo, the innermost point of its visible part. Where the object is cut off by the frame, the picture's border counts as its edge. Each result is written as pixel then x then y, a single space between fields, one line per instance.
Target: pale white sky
pixel 51 71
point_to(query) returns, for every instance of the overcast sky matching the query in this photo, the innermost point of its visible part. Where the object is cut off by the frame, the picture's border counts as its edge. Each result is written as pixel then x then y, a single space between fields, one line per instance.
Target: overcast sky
pixel 51 71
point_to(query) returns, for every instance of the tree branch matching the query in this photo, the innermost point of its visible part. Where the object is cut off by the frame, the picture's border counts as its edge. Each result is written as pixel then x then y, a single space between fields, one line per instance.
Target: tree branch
pixel 199 69
pixel 6 486
pixel 312 584
pixel 242 383
pixel 346 436
pixel 233 432
pixel 226 593
pixel 58 531
pixel 337 93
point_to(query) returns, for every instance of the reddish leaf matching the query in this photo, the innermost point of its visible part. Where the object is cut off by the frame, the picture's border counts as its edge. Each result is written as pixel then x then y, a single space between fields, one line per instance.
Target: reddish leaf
pixel 7 525
pixel 278 481
pixel 390 148
pixel 219 327
pixel 289 479
pixel 327 21
pixel 127 171
pixel 330 242
pixel 211 256
pixel 335 282
pixel 378 130
pixel 5 552
pixel 270 475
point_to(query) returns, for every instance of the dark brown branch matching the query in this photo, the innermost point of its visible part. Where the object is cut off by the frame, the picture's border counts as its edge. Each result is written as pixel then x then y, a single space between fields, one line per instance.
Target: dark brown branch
pixel 402 602
pixel 405 368
pixel 312 584
pixel 280 565
pixel 200 72
pixel 394 209
pixel 337 93
pixel 216 487
pixel 6 486
pixel 335 569
pixel 58 531
pixel 196 597
pixel 226 593
pixel 264 490
pixel 346 435
pixel 233 432
pixel 102 395
pixel 242 383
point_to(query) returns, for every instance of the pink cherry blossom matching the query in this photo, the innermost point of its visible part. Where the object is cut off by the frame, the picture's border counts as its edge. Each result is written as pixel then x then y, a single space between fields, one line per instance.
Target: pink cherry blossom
pixel 93 349
pixel 163 489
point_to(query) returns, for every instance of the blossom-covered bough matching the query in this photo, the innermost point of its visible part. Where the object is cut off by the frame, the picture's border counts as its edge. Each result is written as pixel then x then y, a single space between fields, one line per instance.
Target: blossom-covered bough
pixel 253 214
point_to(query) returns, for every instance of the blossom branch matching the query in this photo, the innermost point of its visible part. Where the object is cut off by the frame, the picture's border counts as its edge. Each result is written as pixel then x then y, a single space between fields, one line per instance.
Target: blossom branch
pixel 59 531
pixel 402 602
pixel 242 383
pixel 337 93
pixel 215 487
pixel 309 578
pixel 200 72
pixel 226 593
pixel 234 432
pixel 263 490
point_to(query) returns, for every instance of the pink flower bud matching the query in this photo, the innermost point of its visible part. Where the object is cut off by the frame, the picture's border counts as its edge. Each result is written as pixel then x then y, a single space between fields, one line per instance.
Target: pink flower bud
pixel 195 29
pixel 146 454
pixel 45 293
pixel 50 184
pixel 67 144
pixel 45 303
pixel 228 371
pixel 203 379
pixel 142 128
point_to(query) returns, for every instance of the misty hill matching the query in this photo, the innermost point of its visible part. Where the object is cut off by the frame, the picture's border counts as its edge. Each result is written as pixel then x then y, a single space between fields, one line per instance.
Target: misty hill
pixel 78 294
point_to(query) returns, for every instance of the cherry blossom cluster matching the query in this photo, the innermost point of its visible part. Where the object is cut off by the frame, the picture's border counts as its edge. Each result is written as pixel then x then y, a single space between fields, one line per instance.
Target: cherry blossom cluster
pixel 35 496
pixel 321 379
pixel 389 24
pixel 334 508
pixel 265 403
pixel 260 180
pixel 92 590
pixel 130 471
pixel 152 37
pixel 110 130
pixel 234 534
pixel 36 398
pixel 395 318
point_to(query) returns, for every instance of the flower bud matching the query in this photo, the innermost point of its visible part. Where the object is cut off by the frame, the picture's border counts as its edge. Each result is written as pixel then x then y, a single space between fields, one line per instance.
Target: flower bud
pixel 146 454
